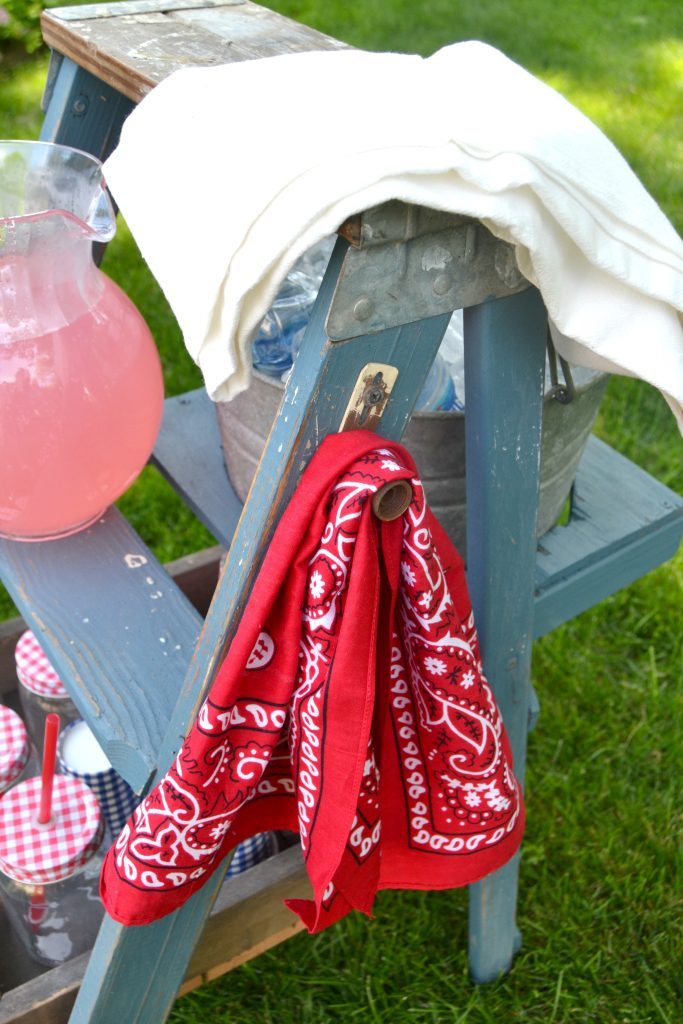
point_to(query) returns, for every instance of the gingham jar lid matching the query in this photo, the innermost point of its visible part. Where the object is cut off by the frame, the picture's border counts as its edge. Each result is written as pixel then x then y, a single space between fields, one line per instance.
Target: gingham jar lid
pixel 15 747
pixel 34 670
pixel 38 854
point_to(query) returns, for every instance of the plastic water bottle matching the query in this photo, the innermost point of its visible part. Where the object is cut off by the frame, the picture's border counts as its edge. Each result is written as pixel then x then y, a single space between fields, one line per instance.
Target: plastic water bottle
pixel 283 326
pixel 281 330
pixel 452 351
pixel 438 393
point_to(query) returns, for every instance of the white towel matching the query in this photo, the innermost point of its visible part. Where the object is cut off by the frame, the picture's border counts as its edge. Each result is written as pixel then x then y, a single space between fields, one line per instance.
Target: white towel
pixel 227 174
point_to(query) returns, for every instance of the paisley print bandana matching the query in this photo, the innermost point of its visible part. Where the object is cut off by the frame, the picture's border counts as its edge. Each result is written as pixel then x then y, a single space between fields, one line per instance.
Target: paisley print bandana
pixel 351 707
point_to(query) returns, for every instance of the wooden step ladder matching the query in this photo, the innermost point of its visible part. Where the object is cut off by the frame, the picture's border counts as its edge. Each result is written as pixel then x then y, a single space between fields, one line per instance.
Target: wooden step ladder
pixel 137 657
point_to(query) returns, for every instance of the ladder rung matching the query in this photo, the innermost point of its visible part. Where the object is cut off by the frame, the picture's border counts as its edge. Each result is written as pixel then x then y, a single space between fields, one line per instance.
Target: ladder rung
pixel 624 522
pixel 118 630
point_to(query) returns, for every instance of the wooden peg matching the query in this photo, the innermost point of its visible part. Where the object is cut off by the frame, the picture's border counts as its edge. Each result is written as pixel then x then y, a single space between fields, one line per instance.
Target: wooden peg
pixel 391 500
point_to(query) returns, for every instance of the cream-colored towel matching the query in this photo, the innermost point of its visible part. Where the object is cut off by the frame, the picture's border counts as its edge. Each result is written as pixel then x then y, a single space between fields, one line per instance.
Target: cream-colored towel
pixel 226 175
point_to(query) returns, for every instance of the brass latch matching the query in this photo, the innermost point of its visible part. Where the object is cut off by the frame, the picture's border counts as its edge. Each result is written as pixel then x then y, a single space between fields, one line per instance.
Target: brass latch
pixel 369 397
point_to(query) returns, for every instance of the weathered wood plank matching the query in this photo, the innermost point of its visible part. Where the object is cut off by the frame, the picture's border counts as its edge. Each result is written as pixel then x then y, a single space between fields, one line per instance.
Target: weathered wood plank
pixel 255 31
pixel 614 502
pixel 195 574
pixel 132 53
pixel 504 365
pixel 47 999
pixel 188 453
pixel 248 918
pixel 624 524
pixel 117 629
pixel 129 7
pixel 565 597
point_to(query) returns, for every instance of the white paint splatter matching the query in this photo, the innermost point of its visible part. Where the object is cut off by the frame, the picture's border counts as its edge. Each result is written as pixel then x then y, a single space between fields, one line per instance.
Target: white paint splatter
pixel 135 561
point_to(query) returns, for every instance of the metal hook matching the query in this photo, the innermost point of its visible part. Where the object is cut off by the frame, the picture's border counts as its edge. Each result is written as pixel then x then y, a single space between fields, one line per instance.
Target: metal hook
pixel 563 393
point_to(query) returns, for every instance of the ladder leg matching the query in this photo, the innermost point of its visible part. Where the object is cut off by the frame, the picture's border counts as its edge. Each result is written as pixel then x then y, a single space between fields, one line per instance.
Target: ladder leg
pixel 134 973
pixel 82 111
pixel 504 371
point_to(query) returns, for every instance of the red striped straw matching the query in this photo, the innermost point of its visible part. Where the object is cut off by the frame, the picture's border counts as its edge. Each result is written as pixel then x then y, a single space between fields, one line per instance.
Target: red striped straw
pixel 49 764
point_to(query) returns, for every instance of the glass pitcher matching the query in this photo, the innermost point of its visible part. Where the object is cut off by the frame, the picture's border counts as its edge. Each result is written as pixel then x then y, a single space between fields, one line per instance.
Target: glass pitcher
pixel 81 390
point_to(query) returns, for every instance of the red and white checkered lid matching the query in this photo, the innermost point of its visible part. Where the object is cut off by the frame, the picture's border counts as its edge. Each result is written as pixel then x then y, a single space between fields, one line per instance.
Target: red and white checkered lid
pixel 15 747
pixel 34 670
pixel 38 854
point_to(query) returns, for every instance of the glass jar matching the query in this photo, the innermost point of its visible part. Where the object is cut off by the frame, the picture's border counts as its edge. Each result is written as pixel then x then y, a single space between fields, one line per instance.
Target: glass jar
pixel 251 852
pixel 17 757
pixel 49 874
pixel 41 691
pixel 80 756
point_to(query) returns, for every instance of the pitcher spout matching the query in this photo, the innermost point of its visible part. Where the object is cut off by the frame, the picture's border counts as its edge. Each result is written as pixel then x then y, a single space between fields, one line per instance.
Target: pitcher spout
pixel 43 184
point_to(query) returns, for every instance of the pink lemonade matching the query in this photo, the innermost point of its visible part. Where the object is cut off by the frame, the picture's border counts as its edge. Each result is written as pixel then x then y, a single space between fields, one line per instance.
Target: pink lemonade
pixel 80 408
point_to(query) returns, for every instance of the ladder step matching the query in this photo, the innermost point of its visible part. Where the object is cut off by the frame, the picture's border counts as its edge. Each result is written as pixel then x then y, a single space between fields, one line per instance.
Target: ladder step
pixel 189 454
pixel 624 522
pixel 118 630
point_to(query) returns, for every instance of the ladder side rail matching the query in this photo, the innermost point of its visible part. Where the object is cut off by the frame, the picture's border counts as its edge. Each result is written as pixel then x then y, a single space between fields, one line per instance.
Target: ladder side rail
pixel 504 369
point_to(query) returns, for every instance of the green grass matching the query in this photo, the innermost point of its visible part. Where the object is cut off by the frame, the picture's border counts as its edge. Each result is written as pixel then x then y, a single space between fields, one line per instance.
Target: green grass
pixel 601 873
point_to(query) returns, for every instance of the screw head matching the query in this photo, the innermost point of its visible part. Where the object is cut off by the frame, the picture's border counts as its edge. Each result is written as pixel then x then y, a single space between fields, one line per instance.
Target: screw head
pixel 363 309
pixel 442 284
pixel 506 265
pixel 373 396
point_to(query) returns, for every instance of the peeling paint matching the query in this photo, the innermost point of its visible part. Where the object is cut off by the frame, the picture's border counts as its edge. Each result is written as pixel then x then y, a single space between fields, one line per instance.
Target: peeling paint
pixel 134 561
pixel 436 257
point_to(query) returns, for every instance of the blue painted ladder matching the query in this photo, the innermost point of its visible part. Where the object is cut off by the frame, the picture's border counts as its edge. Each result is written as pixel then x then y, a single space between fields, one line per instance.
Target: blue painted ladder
pixel 139 666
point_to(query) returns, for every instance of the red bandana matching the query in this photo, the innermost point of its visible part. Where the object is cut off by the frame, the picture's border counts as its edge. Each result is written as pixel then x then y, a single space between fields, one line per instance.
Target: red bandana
pixel 350 707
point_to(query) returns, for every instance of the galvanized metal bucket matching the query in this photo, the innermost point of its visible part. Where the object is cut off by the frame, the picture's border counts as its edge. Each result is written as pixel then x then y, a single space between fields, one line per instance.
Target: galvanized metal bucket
pixel 437 443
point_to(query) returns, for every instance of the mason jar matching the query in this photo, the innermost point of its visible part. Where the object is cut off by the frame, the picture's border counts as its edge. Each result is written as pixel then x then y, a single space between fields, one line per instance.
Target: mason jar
pixel 49 874
pixel 17 757
pixel 41 691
